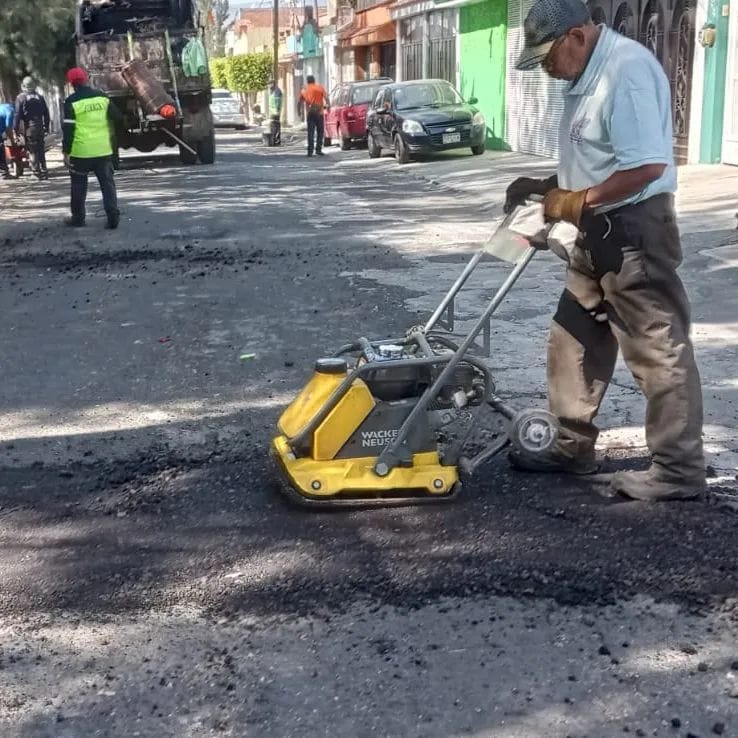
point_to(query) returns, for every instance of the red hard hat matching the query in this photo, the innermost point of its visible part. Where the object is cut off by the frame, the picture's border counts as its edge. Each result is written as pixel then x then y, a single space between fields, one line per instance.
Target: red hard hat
pixel 77 76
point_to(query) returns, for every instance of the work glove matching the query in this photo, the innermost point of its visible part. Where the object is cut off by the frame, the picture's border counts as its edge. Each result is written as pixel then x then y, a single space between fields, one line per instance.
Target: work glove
pixel 521 189
pixel 566 205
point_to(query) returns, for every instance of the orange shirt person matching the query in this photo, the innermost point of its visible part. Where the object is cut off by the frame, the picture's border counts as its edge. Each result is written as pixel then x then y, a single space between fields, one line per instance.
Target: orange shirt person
pixel 314 97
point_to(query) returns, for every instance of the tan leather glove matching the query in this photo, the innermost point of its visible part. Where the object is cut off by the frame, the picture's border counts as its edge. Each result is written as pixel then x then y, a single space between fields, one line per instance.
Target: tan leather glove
pixel 564 205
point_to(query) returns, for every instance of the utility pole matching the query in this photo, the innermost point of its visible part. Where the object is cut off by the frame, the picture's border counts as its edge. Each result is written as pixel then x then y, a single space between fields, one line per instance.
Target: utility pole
pixel 275 41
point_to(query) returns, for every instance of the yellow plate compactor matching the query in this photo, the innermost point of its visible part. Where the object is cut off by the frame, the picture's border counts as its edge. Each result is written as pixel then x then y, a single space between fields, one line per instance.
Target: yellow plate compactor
pixel 370 427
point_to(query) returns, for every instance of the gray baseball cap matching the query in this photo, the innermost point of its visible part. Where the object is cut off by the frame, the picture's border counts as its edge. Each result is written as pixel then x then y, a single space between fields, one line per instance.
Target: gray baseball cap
pixel 546 21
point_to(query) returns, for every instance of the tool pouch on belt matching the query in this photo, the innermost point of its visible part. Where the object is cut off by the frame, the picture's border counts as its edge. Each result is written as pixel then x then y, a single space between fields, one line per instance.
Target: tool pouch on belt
pixel 604 237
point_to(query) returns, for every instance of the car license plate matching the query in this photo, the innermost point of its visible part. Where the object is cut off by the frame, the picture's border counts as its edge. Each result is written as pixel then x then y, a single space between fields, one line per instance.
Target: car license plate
pixel 451 138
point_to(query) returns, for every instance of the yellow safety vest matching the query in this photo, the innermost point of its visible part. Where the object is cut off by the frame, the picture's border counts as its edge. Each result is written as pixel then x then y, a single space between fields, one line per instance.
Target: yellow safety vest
pixel 91 128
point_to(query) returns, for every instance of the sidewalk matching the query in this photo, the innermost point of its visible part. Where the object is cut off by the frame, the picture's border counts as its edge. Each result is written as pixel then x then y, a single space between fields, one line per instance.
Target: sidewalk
pixel 707 199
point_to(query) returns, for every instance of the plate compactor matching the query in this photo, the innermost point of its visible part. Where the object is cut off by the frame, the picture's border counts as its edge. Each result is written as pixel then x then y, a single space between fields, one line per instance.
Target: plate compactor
pixel 370 428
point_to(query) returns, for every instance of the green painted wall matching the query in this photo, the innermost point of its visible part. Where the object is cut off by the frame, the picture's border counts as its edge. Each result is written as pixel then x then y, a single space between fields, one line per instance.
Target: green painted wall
pixel 713 105
pixel 483 37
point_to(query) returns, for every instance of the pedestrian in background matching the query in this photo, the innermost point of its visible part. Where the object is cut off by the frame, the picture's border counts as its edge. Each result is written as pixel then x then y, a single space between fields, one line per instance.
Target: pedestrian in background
pixel 7 114
pixel 89 127
pixel 275 112
pixel 616 181
pixel 314 97
pixel 32 113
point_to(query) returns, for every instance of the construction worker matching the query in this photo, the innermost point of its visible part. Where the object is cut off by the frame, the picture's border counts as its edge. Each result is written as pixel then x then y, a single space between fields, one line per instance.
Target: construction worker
pixel 7 114
pixel 275 112
pixel 615 182
pixel 32 113
pixel 89 127
pixel 314 98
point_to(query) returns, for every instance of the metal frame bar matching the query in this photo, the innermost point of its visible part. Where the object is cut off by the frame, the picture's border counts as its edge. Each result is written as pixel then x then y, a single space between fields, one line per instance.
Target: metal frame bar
pixel 390 456
pixel 447 306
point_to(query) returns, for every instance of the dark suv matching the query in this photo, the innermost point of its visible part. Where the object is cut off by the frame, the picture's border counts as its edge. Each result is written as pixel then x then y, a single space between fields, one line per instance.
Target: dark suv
pixel 423 117
pixel 346 118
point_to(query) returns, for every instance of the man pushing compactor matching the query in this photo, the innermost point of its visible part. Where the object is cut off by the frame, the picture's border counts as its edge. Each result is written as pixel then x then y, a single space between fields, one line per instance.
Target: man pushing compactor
pixel 615 182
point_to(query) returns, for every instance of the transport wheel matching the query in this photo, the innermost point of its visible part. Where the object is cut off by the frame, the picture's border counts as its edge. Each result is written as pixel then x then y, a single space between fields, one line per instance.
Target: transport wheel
pixel 374 150
pixel 534 431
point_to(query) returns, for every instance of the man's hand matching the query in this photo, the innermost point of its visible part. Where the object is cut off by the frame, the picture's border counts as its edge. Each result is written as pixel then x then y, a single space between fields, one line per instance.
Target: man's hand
pixel 564 205
pixel 522 188
pixel 67 163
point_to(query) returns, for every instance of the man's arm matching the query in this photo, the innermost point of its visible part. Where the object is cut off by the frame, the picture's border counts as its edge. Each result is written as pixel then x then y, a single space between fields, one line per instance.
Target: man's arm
pixel 622 185
pixel 45 113
pixel 19 110
pixel 68 128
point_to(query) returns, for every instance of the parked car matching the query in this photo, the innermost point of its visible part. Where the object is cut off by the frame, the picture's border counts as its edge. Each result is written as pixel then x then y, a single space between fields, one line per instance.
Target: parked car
pixel 346 118
pixel 227 110
pixel 423 117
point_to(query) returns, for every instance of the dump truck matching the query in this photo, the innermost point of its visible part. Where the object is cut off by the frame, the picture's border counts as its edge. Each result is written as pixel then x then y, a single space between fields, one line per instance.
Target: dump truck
pixel 110 34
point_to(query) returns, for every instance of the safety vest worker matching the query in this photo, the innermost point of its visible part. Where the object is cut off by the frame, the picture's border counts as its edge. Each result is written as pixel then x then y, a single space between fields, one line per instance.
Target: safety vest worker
pixel 89 134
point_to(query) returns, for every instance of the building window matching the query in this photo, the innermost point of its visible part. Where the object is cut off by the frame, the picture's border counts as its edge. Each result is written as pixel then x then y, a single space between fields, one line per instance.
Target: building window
pixel 442 45
pixel 387 60
pixel 411 47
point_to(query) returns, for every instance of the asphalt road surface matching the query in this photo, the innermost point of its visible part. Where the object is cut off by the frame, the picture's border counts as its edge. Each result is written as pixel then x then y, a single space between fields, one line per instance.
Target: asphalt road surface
pixel 153 582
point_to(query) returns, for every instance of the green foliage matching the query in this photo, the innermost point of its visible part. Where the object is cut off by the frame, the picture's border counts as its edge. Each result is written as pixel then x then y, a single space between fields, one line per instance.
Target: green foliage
pixel 36 37
pixel 248 72
pixel 218 71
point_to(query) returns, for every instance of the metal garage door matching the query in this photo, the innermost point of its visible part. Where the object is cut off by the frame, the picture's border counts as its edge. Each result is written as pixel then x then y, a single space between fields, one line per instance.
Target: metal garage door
pixel 534 100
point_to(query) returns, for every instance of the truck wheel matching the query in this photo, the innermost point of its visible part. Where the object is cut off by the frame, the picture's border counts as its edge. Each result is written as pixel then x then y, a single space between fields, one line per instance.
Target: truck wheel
pixel 206 149
pixel 186 156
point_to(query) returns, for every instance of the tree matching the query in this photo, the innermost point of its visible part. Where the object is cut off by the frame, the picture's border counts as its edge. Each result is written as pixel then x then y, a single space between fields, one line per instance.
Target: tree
pixel 37 38
pixel 248 72
pixel 218 71
pixel 214 15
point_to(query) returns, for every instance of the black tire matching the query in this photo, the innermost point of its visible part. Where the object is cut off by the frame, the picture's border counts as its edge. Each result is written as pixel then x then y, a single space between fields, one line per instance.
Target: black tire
pixel 186 156
pixel 344 143
pixel 477 150
pixel 375 151
pixel 401 154
pixel 206 149
pixel 15 169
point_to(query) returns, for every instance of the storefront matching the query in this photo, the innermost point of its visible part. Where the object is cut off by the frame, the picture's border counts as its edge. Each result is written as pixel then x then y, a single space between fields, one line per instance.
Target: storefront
pixel 371 39
pixel 428 40
pixel 534 101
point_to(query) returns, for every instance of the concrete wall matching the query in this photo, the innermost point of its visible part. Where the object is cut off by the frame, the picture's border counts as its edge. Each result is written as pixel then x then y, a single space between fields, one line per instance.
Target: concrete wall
pixel 482 47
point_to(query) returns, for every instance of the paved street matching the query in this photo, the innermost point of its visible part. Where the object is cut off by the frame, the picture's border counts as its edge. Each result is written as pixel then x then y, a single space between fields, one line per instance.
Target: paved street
pixel 153 583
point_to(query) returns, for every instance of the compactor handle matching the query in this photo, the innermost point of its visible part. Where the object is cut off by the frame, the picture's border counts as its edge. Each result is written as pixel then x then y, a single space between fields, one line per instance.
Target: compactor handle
pixel 367 349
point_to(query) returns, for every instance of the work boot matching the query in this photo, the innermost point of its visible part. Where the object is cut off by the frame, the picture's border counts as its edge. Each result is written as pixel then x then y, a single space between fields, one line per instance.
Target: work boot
pixel 651 486
pixel 74 222
pixel 319 153
pixel 554 462
pixel 113 221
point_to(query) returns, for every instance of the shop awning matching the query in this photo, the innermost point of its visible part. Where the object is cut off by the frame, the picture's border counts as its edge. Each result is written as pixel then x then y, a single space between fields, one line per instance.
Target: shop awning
pixel 369 35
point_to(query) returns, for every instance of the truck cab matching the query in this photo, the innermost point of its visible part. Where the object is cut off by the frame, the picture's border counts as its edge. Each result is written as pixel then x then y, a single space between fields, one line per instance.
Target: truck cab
pixel 112 33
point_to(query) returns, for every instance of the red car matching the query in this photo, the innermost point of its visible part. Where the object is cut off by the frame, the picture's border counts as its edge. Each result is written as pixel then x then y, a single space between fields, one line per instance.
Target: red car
pixel 346 118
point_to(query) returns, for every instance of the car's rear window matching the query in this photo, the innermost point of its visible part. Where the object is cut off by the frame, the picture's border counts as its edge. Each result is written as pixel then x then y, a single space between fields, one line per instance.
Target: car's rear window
pixel 364 94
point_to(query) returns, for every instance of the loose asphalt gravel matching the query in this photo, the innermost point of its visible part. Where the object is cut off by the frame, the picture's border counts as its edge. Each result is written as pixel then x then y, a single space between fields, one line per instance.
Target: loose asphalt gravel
pixel 154 583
